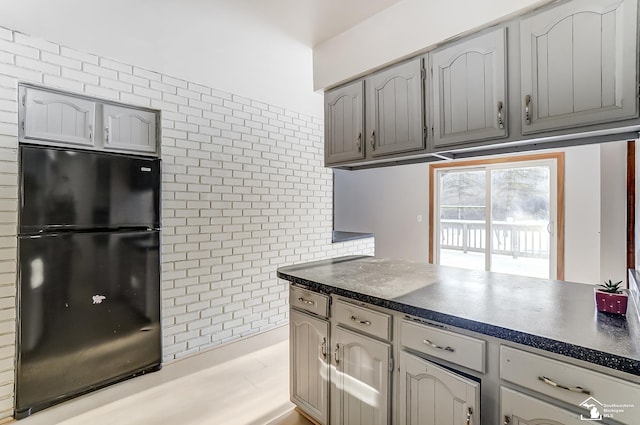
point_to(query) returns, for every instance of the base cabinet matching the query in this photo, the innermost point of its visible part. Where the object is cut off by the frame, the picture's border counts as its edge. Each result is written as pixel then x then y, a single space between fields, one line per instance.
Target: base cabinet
pixel 309 372
pixel 432 395
pixel 360 381
pixel 520 409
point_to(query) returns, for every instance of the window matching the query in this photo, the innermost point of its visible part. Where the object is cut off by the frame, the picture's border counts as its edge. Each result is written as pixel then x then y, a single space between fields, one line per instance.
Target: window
pixel 502 214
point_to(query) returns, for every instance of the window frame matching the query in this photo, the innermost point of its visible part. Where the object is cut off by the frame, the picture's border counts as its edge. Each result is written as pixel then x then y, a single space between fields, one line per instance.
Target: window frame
pixel 504 160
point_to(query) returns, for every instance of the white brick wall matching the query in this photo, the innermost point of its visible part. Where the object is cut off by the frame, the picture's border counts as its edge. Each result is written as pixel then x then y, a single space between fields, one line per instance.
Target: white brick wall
pixel 244 192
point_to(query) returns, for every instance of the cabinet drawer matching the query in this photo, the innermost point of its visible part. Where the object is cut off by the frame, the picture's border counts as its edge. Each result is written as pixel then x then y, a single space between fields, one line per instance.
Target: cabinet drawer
pixel 571 384
pixel 459 349
pixel 308 301
pixel 363 319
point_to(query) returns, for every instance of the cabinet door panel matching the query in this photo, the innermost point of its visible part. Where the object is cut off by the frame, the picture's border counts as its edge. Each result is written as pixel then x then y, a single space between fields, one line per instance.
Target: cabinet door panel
pixel 431 395
pixel 468 84
pixel 129 129
pixel 309 374
pixel 58 117
pixel 360 387
pixel 395 114
pixel 578 64
pixel 520 409
pixel 344 128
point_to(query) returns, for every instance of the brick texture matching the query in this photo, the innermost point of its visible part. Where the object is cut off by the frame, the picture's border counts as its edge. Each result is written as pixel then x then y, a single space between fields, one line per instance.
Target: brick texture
pixel 244 191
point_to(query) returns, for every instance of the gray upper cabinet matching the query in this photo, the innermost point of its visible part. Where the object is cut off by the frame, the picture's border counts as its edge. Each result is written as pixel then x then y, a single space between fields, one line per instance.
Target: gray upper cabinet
pixel 394 109
pixel 578 65
pixel 468 89
pixel 344 123
pixel 57 118
pixel 128 129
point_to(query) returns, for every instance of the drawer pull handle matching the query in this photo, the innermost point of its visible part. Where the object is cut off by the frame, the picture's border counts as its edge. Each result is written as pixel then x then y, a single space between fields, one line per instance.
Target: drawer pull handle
pixel 308 302
pixel 439 347
pixel 362 322
pixel 323 348
pixel 335 354
pixel 564 387
pixel 469 413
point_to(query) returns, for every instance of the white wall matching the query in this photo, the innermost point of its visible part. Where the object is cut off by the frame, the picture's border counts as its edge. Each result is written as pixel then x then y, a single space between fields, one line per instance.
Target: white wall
pixel 244 191
pixel 582 214
pixel 613 175
pixel 215 43
pixel 401 30
pixel 386 201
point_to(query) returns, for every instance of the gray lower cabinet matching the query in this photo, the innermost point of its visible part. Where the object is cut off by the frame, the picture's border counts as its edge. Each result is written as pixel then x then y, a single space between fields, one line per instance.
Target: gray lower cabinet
pixel 578 65
pixel 360 385
pixel 309 371
pixel 344 124
pixel 432 395
pixel 394 107
pixel 520 409
pixel 468 90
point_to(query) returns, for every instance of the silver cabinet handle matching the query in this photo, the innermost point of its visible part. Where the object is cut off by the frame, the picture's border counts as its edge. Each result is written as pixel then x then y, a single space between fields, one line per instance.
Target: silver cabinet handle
pixel 90 133
pixel 469 413
pixel 323 348
pixel 507 420
pixel 106 134
pixel 439 347
pixel 359 142
pixel 335 354
pixel 308 302
pixel 564 387
pixel 500 120
pixel 372 140
pixel 362 322
pixel 527 106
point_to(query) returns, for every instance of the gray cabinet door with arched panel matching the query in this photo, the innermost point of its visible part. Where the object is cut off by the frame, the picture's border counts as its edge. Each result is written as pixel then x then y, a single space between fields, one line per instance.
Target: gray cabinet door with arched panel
pixel 395 115
pixel 469 86
pixel 579 65
pixel 344 123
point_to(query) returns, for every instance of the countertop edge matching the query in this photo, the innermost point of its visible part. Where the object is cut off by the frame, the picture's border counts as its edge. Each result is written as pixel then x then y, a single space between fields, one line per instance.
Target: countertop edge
pixel 341 236
pixel 597 357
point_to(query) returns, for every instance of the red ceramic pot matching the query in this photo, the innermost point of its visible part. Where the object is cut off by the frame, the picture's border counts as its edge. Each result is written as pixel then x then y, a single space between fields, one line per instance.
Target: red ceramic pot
pixel 611 303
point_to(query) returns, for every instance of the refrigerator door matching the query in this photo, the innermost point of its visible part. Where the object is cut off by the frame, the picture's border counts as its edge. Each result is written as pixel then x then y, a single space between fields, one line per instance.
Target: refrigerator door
pixel 75 190
pixel 89 313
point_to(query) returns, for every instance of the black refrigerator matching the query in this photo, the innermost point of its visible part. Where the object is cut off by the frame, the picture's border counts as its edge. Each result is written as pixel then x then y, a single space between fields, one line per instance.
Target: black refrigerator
pixel 89 272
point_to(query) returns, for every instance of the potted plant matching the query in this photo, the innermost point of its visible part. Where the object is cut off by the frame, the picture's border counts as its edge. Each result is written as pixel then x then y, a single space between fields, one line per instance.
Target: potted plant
pixel 610 298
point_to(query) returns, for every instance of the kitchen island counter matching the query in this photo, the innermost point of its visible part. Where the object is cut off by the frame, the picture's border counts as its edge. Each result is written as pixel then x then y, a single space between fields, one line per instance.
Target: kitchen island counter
pixel 553 316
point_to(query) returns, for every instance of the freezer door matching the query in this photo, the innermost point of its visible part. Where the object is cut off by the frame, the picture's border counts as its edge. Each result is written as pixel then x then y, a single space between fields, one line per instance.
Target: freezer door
pixel 89 313
pixel 72 189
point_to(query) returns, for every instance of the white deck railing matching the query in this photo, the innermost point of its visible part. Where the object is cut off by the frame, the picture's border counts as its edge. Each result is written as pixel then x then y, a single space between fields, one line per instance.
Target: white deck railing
pixel 524 239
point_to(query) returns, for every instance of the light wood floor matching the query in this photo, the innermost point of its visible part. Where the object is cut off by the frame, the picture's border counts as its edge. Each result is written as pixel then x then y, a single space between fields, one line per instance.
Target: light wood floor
pixel 243 383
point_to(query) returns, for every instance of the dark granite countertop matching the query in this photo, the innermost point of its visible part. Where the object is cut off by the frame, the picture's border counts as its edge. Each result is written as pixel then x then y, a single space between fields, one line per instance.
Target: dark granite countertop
pixel 340 236
pixel 554 316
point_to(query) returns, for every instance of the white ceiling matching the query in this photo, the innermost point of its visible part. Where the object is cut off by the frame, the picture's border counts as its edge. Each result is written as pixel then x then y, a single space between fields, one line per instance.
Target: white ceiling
pixel 311 21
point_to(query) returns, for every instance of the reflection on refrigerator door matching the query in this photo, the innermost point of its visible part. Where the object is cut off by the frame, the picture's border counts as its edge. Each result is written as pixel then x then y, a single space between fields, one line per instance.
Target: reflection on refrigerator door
pixel 89 311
